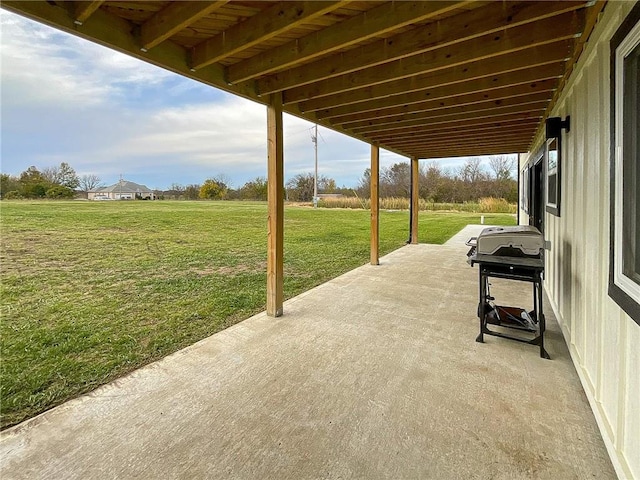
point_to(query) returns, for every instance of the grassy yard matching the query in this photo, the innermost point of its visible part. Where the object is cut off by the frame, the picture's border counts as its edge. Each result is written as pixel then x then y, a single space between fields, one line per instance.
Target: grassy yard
pixel 92 290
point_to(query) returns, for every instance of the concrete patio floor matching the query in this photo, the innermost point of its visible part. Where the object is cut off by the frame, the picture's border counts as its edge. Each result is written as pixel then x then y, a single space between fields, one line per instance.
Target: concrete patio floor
pixel 374 374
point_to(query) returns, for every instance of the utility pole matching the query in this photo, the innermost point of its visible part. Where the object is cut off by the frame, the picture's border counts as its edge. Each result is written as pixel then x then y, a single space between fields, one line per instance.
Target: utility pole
pixel 314 139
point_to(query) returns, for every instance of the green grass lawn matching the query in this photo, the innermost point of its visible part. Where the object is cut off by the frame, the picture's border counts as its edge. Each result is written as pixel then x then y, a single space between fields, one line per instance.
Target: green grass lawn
pixel 92 290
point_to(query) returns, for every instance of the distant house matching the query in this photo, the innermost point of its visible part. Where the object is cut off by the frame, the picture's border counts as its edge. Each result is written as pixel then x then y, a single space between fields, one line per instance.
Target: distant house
pixel 123 190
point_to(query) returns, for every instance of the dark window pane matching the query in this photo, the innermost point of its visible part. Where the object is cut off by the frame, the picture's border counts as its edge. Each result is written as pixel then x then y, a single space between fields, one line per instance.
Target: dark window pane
pixel 631 152
pixel 551 185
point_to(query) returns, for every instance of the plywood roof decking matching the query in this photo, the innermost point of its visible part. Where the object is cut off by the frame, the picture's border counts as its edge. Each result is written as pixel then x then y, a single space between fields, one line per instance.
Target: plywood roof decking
pixel 424 79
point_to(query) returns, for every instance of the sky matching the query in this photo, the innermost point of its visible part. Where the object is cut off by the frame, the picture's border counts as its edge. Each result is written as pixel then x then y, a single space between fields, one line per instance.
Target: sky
pixel 64 99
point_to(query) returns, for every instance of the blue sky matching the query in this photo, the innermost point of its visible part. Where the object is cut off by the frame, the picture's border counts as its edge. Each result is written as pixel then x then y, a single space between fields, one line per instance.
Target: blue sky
pixel 64 99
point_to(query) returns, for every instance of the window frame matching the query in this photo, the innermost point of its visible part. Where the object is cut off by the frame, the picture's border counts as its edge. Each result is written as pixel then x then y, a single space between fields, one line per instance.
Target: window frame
pixel 622 289
pixel 553 206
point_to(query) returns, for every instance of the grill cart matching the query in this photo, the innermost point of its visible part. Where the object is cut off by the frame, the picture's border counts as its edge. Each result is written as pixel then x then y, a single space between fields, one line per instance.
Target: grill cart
pixel 512 253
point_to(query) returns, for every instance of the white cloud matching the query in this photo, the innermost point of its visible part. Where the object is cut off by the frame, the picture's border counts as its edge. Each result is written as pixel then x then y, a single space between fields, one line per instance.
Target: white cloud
pixel 42 66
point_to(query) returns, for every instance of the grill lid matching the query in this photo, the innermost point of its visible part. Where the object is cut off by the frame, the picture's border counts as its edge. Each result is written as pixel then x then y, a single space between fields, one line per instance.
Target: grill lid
pixel 523 240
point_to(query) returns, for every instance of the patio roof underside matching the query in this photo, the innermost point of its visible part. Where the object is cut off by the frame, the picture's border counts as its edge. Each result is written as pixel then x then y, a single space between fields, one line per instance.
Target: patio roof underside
pixel 422 79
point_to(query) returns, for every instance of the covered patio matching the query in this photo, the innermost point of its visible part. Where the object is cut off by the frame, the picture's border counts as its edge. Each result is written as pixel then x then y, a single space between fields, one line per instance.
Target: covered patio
pixel 374 374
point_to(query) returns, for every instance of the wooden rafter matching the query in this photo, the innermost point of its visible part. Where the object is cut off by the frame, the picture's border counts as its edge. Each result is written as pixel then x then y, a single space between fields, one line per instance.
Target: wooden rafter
pixel 84 9
pixel 378 21
pixel 477 24
pixel 450 93
pixel 456 112
pixel 459 125
pixel 497 96
pixel 468 151
pixel 269 23
pixel 173 18
pixel 522 111
pixel 473 144
pixel 513 40
pixel 457 133
pixel 494 139
pixel 526 60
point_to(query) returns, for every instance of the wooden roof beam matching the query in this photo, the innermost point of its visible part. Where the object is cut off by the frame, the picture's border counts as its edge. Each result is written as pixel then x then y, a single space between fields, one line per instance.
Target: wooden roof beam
pixel 427 151
pixel 544 32
pixel 479 144
pixel 467 123
pixel 172 19
pixel 490 84
pixel 83 10
pixel 267 24
pixel 475 140
pixel 498 95
pixel 430 133
pixel 552 56
pixel 459 138
pixel 511 143
pixel 495 18
pixel 455 111
pixel 521 111
pixel 428 154
pixel 380 20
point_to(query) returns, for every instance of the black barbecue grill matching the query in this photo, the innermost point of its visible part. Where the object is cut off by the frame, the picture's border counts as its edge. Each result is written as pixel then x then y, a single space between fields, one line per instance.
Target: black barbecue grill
pixel 512 253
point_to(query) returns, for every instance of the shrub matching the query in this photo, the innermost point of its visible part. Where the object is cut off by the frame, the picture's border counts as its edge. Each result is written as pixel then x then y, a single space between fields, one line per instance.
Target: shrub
pixel 60 191
pixel 12 195
pixel 496 205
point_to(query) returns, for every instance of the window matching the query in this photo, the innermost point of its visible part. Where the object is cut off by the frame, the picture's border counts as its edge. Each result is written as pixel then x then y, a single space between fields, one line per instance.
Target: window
pixel 624 265
pixel 553 176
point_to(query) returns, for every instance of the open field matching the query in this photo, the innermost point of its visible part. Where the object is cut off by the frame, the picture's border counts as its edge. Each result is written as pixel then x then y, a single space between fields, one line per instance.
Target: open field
pixel 92 290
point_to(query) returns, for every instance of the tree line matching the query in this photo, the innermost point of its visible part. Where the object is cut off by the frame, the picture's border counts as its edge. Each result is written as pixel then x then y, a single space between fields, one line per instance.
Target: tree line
pixel 50 182
pixel 298 189
pixel 468 183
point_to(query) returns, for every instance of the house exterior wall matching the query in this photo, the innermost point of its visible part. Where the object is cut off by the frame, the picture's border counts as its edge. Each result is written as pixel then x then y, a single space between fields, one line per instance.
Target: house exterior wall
pixel 604 342
pixel 118 195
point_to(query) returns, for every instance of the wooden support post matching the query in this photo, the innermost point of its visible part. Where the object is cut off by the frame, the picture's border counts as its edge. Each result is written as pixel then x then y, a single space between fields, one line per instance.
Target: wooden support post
pixel 415 197
pixel 275 198
pixel 375 203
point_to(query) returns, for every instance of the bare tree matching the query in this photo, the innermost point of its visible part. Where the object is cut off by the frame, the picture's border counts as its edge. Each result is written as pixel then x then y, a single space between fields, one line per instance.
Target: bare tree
pixel 471 171
pixel 502 166
pixel 224 179
pixel 395 181
pixel 51 174
pixel 192 191
pixel 89 182
pixel 178 188
pixel 62 175
pixel 430 177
